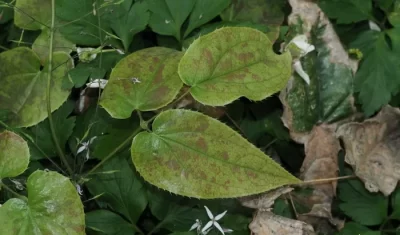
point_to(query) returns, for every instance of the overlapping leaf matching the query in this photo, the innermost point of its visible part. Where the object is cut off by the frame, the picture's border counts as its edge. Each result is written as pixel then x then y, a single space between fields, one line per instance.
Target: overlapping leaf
pixel 14 155
pixel 53 207
pixel 194 155
pixel 23 89
pixel 28 14
pixel 107 222
pixel 145 80
pixel 347 11
pixel 232 62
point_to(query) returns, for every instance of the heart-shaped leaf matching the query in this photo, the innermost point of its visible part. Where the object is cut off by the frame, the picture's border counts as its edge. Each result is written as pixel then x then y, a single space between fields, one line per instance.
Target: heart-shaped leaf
pixel 53 207
pixel 232 62
pixel 23 88
pixel 191 154
pixel 14 155
pixel 145 80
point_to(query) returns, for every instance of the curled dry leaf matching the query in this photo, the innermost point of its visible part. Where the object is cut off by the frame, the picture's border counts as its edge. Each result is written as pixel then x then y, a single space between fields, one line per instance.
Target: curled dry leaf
pixel 371 149
pixel 264 201
pixel 266 223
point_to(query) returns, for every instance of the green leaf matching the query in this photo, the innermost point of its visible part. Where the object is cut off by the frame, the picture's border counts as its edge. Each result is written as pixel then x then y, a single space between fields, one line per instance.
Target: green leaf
pixel 191 154
pixel 204 11
pixel 232 62
pixel 23 89
pixel 394 16
pixel 352 228
pixel 108 223
pixel 41 45
pixel 328 98
pixel 282 208
pixel 362 206
pixel 347 11
pixel 122 190
pixel 145 80
pixel 257 11
pixel 53 207
pixel 376 80
pixel 28 14
pixel 14 155
pixel 168 16
pixel 6 13
pixel 80 22
pixel 41 133
pixel 127 19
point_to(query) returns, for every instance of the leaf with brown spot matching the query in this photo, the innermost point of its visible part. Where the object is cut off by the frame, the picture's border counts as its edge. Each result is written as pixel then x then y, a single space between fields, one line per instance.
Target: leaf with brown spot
pixel 372 149
pixel 191 154
pixel 159 83
pixel 219 69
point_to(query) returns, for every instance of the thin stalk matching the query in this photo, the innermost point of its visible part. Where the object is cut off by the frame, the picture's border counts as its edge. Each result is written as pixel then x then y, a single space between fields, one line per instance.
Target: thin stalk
pixel 17 195
pixel 318 181
pixel 111 154
pixel 50 69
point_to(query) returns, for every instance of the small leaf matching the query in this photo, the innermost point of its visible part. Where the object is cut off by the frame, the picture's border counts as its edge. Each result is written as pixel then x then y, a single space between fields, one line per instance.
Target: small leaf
pixel 145 80
pixel 168 16
pixel 362 206
pixel 14 155
pixel 191 154
pixel 204 11
pixel 347 11
pixel 28 14
pixel 53 208
pixel 232 62
pixel 107 222
pixel 23 89
pixel 122 190
pixel 394 17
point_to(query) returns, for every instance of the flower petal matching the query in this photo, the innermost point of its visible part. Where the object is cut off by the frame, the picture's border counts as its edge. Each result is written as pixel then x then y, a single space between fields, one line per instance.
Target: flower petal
pixel 207 226
pixel 227 230
pixel 81 149
pixel 374 26
pixel 299 69
pixel 210 215
pixel 216 224
pixel 218 217
pixel 194 226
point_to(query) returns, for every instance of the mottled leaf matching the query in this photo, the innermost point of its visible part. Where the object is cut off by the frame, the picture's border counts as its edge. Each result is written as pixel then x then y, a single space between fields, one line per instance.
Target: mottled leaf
pixel 41 45
pixel 121 190
pixel 145 80
pixel 204 11
pixel 28 14
pixel 109 223
pixel 23 89
pixel 232 62
pixel 53 207
pixel 14 155
pixel 168 16
pixel 191 154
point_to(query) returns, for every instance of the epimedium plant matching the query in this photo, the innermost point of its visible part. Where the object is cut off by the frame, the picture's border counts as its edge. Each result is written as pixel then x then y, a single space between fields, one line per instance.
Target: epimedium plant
pixel 184 152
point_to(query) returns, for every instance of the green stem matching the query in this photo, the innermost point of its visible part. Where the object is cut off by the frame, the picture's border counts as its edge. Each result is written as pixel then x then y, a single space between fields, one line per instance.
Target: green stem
pixel 4 48
pixel 17 195
pixel 50 69
pixel 111 154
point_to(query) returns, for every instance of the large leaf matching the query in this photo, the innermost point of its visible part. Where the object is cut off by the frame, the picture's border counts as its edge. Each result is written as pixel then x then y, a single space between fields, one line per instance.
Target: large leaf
pixel 376 80
pixel 14 155
pixel 127 19
pixel 53 207
pixel 232 62
pixel 145 80
pixel 23 89
pixel 194 155
pixel 204 11
pixel 28 14
pixel 109 223
pixel 347 11
pixel 168 16
pixel 121 190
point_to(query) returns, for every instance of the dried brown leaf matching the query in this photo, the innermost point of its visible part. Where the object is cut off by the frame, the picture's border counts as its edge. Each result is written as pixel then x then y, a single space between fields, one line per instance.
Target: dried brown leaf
pixel 264 201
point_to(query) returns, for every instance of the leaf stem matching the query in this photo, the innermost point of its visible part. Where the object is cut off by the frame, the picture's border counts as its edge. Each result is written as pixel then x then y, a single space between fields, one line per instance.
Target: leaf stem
pixel 49 77
pixel 112 153
pixel 318 181
pixel 2 185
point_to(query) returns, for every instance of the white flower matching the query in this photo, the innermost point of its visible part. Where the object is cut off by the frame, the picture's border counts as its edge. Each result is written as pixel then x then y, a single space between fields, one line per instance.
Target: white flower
pixel 135 80
pixel 97 83
pixel 300 71
pixel 85 146
pixel 17 184
pixel 301 42
pixel 374 26
pixel 86 54
pixel 79 189
pixel 212 223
